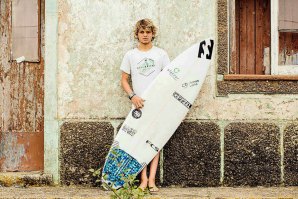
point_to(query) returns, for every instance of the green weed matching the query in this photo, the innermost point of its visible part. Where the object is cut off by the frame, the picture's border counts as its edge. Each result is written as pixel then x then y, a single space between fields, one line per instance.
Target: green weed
pixel 129 190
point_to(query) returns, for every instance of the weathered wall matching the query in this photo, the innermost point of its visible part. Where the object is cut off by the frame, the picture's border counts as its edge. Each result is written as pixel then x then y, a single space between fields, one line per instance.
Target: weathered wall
pixel 93 37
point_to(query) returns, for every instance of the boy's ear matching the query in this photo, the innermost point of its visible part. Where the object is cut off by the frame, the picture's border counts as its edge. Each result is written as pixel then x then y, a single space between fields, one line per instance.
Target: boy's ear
pixel 153 37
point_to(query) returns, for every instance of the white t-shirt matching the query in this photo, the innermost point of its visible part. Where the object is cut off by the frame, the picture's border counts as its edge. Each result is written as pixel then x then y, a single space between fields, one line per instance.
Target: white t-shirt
pixel 144 66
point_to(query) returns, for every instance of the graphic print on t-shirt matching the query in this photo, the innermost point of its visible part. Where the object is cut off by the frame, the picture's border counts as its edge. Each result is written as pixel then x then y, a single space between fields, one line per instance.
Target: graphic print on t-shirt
pixel 146 66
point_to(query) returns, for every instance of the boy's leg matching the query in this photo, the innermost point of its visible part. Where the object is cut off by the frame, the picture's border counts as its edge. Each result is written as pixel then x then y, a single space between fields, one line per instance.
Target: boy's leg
pixel 153 168
pixel 144 179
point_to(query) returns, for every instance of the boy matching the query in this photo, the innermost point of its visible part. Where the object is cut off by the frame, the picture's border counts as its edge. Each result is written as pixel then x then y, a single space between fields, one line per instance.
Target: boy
pixel 143 64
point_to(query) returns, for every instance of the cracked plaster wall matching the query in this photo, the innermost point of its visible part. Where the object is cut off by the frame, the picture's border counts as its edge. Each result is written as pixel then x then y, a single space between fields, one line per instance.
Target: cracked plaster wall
pixel 94 36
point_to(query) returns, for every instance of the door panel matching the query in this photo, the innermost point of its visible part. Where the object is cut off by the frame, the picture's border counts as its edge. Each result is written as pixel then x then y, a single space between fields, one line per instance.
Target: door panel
pixel 252 32
pixel 21 102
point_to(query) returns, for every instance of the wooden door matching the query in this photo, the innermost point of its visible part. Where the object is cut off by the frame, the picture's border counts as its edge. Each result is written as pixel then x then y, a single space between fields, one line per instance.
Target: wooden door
pixel 21 100
pixel 251 37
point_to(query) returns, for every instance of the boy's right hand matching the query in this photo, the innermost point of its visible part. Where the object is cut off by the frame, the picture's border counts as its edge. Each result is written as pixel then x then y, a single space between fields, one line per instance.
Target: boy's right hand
pixel 137 102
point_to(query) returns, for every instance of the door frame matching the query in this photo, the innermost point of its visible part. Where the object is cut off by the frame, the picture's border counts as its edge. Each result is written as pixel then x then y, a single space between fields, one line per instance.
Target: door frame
pixel 51 122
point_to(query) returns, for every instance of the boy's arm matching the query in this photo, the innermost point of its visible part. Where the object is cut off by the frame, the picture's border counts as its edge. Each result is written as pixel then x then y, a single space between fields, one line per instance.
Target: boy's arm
pixel 136 100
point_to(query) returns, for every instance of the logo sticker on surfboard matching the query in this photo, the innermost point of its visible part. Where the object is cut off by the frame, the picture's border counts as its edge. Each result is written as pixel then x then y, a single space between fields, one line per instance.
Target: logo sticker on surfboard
pixel 130 131
pixel 202 50
pixel 136 113
pixel 182 100
pixel 190 84
pixel 152 146
pixel 174 72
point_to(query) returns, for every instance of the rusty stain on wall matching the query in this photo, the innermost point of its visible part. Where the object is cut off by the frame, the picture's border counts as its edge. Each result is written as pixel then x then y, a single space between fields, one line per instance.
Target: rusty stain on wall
pixel 21 103
pixel 11 152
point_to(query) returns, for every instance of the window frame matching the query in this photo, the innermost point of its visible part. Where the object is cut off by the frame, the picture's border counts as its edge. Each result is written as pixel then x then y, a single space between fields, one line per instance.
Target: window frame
pixel 256 84
pixel 274 37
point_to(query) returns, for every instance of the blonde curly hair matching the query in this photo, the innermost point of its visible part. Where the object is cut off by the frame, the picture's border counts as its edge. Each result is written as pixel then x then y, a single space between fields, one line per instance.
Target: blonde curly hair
pixel 145 24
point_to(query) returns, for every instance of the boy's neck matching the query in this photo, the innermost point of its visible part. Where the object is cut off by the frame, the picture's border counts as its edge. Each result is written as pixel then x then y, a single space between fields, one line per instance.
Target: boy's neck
pixel 145 47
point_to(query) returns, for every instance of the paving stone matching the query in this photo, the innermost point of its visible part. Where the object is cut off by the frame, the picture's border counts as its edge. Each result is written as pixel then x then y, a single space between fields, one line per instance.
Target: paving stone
pixel 165 193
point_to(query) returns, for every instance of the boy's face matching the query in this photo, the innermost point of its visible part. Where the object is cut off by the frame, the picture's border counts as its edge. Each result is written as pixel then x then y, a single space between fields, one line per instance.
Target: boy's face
pixel 145 35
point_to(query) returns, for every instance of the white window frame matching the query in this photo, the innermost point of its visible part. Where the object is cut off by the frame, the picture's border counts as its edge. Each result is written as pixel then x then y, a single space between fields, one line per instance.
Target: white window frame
pixel 275 68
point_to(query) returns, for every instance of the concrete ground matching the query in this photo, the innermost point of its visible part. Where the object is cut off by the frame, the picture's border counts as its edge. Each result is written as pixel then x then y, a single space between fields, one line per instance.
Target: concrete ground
pixel 87 192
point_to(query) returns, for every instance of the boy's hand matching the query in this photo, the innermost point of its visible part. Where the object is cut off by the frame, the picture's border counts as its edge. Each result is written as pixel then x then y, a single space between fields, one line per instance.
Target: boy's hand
pixel 137 102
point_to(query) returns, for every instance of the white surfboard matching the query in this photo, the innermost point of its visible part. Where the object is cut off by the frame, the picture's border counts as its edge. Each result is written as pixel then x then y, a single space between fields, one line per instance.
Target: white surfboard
pixel 167 101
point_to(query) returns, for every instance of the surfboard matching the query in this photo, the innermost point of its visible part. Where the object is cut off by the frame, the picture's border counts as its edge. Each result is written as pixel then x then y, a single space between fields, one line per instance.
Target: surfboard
pixel 167 100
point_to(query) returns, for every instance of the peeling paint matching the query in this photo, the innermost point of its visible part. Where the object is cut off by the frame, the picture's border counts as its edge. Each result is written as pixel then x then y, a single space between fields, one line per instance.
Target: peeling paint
pixel 11 152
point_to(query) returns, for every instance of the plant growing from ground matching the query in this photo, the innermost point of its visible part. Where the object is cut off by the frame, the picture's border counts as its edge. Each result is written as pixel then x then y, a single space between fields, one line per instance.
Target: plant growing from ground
pixel 129 190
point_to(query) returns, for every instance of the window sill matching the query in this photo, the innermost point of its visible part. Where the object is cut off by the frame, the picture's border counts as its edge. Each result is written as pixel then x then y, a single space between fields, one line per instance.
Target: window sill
pixel 257 84
pixel 232 77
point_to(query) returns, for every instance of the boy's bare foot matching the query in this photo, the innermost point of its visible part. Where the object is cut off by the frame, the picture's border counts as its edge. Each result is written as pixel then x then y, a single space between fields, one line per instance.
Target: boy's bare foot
pixel 152 187
pixel 143 185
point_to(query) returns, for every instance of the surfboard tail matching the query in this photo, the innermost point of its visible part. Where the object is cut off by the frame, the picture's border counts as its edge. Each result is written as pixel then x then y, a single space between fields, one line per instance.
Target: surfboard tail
pixel 118 167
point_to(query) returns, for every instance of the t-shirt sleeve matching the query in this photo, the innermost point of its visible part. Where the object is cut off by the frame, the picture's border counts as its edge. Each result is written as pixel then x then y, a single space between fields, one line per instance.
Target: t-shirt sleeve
pixel 125 65
pixel 165 60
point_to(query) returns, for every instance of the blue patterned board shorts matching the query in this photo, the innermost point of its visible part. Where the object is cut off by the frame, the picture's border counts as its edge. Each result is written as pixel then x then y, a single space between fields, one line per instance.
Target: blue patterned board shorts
pixel 118 166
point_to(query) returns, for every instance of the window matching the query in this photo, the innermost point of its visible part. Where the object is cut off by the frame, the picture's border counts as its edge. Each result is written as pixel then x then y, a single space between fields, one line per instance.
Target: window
pixel 263 37
pixel 288 33
pixel 25 30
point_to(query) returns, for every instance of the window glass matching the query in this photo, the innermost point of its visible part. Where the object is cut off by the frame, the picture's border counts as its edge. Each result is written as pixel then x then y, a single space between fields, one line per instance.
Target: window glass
pixel 25 29
pixel 288 32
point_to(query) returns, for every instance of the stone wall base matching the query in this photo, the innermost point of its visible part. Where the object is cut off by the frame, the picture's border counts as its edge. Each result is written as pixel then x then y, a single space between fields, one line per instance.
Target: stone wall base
pixel 200 153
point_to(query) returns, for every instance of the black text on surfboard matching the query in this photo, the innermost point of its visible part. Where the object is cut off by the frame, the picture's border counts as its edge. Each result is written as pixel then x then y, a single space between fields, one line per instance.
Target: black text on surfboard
pixel 174 72
pixel 202 51
pixel 130 131
pixel 152 146
pixel 182 100
pixel 190 84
